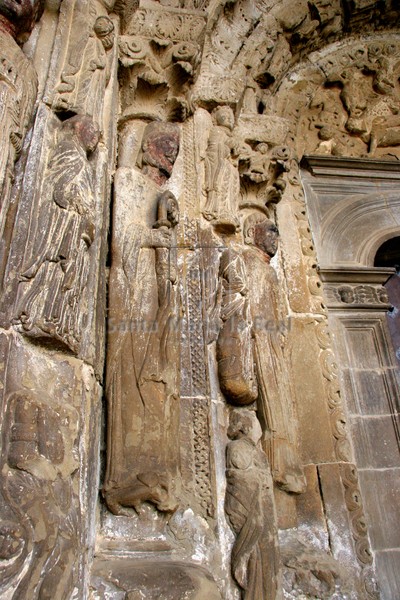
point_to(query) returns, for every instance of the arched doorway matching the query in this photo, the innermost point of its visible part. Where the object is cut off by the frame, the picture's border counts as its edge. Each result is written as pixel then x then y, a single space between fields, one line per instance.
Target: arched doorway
pixel 388 255
pixel 354 211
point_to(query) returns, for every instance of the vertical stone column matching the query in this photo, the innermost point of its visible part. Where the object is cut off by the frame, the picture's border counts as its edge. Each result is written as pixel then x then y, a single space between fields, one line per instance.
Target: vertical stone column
pixel 53 312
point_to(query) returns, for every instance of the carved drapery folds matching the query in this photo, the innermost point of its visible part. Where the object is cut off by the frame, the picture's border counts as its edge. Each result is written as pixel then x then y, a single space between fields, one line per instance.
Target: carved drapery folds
pixel 252 334
pixel 199 344
pixel 86 70
pixel 18 88
pixel 143 364
pixel 51 294
pixel 234 350
pixel 221 174
pixel 249 506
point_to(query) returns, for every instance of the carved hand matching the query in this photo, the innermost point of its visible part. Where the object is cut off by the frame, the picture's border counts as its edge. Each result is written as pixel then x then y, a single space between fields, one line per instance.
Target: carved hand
pixel 160 238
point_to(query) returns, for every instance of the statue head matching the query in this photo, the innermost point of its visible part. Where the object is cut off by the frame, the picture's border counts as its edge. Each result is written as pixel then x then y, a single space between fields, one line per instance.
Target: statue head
pixel 262 148
pixel 19 16
pixel 224 116
pixel 104 30
pixel 86 131
pixel 262 233
pixel 244 423
pixel 160 147
pixel 346 294
pixel 167 210
pixel 326 133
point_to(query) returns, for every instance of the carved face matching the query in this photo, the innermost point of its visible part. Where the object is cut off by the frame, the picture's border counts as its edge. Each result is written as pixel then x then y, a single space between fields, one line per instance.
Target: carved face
pixel 266 237
pixel 224 116
pixel 173 210
pixel 104 29
pixel 160 147
pixel 244 423
pixel 346 294
pixel 88 134
pixel 262 148
pixel 21 13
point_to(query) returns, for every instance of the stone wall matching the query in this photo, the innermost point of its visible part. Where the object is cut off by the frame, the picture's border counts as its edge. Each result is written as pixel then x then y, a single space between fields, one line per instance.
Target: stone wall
pixel 196 361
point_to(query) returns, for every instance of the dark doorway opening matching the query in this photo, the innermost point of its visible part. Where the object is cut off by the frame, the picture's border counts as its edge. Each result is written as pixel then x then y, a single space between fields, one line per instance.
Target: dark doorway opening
pixel 388 255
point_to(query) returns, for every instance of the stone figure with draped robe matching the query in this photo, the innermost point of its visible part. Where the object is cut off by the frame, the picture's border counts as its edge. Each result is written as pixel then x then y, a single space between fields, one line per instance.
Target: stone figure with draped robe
pixel 249 505
pixel 54 274
pixel 235 359
pixel 221 173
pixel 142 380
pixel 258 340
pixel 18 89
pixel 275 395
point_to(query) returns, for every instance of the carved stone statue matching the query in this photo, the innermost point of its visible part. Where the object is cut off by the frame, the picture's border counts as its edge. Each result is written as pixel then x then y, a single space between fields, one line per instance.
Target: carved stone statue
pixel 143 363
pixel 234 344
pixel 87 72
pixel 252 334
pixel 221 173
pixel 19 16
pixel 267 165
pixel 18 88
pixel 275 397
pixel 56 267
pixel 249 505
pixel 160 147
pixel 38 461
pixel 95 73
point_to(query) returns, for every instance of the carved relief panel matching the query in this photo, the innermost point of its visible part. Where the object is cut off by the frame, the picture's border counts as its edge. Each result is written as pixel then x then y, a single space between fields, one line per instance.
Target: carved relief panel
pixel 202 425
pixel 45 447
pixel 354 110
pixel 144 335
pixel 52 290
pixel 88 60
pixel 159 52
pixel 18 88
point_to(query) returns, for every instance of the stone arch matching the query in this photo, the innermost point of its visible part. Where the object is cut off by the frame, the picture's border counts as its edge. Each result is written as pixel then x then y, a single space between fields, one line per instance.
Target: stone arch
pixel 351 87
pixel 388 252
pixel 256 45
pixel 355 228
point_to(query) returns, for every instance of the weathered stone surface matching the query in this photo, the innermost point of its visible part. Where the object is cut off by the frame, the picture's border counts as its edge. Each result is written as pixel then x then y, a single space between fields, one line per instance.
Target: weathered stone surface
pixel 313 412
pixel 250 509
pixel 51 298
pixel 50 415
pixel 310 507
pixel 215 335
pixel 143 579
pixel 143 362
pixel 381 492
pixel 387 563
pixel 18 94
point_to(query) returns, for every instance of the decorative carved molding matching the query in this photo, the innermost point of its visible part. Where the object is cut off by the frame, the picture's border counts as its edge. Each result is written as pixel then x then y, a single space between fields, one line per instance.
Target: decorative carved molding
pixel 357 296
pixel 159 53
pixel 327 360
pixel 359 528
pixel 202 459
